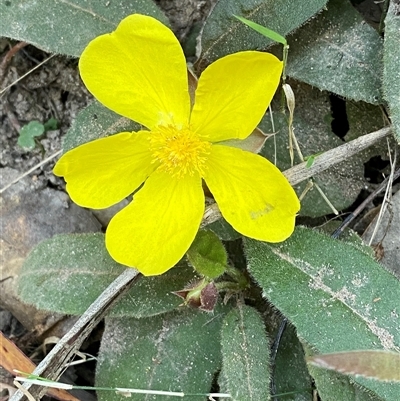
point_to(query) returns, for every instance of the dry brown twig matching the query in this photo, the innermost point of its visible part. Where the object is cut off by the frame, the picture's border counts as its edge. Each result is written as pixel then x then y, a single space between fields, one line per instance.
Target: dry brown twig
pixel 53 363
pixel 26 74
pixel 388 195
pixel 384 185
pixel 20 177
pixel 8 57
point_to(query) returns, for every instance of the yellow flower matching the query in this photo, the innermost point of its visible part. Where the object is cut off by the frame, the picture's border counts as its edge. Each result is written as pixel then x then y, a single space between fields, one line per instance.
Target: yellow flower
pixel 139 71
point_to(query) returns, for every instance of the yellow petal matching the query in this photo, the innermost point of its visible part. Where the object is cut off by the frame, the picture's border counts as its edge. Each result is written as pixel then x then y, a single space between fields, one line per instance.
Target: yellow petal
pixel 233 94
pixel 154 231
pixel 103 172
pixel 139 71
pixel 252 194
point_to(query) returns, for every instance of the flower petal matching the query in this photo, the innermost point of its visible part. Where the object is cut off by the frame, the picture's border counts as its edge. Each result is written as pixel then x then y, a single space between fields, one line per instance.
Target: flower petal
pixel 139 71
pixel 252 194
pixel 154 231
pixel 233 94
pixel 103 172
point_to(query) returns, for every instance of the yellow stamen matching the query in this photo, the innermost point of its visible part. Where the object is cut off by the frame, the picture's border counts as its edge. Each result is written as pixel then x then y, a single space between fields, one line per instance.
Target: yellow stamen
pixel 179 151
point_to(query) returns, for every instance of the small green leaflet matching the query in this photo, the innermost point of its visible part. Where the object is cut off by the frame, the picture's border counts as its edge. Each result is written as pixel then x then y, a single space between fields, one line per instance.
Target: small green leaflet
pixel 310 159
pixel 28 133
pixel 263 30
pixel 35 129
pixel 270 34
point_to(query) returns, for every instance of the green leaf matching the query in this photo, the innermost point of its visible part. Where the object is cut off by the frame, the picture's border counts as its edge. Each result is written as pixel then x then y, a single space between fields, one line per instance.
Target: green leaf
pixel 66 27
pixel 391 71
pixel 348 235
pixel 333 386
pixel 224 230
pixel 171 352
pixel 375 364
pixel 364 118
pixel 245 355
pixel 341 183
pixel 337 51
pixel 94 122
pixel 224 34
pixel 291 373
pixel 207 254
pixel 51 124
pixel 222 382
pixel 68 272
pixel 337 297
pixel 154 295
pixel 28 133
pixel 310 161
pixel 268 33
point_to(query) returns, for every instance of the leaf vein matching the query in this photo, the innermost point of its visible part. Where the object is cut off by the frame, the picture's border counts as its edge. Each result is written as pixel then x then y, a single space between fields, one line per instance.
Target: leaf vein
pixel 245 346
pixel 92 13
pixel 233 28
pixel 386 339
pixel 351 56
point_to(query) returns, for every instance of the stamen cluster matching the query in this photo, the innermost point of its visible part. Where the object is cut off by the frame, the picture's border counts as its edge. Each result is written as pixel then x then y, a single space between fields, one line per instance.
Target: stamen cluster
pixel 179 151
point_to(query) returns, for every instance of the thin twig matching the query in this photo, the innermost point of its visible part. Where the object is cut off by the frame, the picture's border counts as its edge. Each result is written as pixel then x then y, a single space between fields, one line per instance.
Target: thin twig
pixel 12 118
pixel 271 116
pixel 8 57
pixel 387 197
pixel 51 366
pixel 30 171
pixel 25 75
pixel 325 198
pixel 127 392
pixel 360 208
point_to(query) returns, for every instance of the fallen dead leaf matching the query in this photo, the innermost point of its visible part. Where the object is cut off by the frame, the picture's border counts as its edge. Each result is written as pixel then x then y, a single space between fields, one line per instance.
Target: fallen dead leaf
pixel 12 358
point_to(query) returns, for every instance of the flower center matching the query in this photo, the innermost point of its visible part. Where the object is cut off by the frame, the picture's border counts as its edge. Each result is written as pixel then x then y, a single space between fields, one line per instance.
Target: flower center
pixel 179 151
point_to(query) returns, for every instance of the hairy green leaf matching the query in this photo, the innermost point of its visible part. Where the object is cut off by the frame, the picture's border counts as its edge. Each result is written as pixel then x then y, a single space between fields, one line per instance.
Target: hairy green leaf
pixel 171 352
pixel 348 235
pixel 245 355
pixel 224 230
pixel 94 122
pixel 333 386
pixel 207 254
pixel 68 272
pixel 391 71
pixel 364 118
pixel 338 52
pixel 67 26
pixel 337 297
pixel 224 34
pixel 290 373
